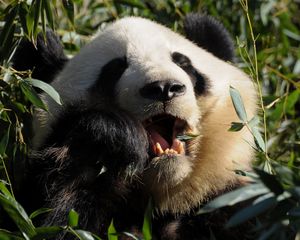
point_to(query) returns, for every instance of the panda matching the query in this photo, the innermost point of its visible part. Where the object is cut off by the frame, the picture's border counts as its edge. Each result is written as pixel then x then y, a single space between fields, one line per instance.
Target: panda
pixel 145 115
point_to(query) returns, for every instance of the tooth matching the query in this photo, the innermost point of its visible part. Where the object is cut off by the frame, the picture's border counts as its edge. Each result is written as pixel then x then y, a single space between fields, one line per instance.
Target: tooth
pixel 181 148
pixel 178 146
pixel 159 150
pixel 172 151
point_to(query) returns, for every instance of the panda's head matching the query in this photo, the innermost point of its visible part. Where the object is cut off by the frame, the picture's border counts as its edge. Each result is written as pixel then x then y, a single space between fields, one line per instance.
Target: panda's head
pixel 178 89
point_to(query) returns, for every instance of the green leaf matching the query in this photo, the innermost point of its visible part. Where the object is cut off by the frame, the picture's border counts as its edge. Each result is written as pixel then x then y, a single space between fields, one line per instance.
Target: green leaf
pixel 30 21
pixel 43 19
pixel 251 211
pixel 260 143
pixel 186 137
pixel 49 15
pixel 46 88
pixel 270 181
pixel 238 104
pixel 130 235
pixel 73 218
pixel 132 3
pixel 4 141
pixel 23 11
pixel 234 197
pixel 37 8
pixel 47 232
pixel 4 189
pixel 7 235
pixel 254 122
pixel 17 214
pixel 111 232
pixel 39 212
pixel 291 101
pixel 236 126
pixel 69 7
pixel 9 18
pixel 31 94
pixel 7 32
pixel 147 224
pixel 84 235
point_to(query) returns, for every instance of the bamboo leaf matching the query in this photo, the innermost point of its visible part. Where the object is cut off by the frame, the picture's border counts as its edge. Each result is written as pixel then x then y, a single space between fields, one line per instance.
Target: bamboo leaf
pixel 9 19
pixel 47 88
pixel 47 232
pixel 37 7
pixel 236 126
pixel 69 7
pixel 39 212
pixel 17 214
pixel 49 14
pixel 270 181
pixel 147 224
pixel 4 141
pixel 7 235
pixel 31 95
pixel 260 143
pixel 238 104
pixel 73 218
pixel 85 235
pixel 251 211
pixel 234 197
pixel 111 232
pixel 23 11
pixel 132 3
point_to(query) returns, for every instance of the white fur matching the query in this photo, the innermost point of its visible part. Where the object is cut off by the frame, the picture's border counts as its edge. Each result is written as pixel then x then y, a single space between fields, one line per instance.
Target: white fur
pixel 181 184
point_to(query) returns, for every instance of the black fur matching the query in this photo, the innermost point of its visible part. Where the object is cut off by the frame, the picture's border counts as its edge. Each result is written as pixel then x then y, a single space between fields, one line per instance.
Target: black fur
pixel 209 34
pixel 46 59
pixel 109 76
pixel 199 81
pixel 88 163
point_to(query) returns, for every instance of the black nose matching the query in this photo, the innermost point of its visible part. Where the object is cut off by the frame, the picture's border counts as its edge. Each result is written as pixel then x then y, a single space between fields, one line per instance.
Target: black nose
pixel 163 90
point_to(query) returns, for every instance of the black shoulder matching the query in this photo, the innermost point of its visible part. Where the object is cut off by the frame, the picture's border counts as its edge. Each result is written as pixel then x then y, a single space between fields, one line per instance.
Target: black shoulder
pixel 209 34
pixel 45 59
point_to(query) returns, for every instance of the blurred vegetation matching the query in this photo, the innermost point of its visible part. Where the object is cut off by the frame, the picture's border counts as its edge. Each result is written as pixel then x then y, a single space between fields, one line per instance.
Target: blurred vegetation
pixel 267 37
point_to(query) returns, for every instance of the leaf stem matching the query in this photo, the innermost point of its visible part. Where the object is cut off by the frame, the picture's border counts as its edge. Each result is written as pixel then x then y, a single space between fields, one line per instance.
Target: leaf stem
pixel 244 4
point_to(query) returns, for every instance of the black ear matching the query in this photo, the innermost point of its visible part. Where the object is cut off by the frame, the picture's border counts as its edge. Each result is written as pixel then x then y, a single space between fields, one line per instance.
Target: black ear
pixel 45 60
pixel 209 34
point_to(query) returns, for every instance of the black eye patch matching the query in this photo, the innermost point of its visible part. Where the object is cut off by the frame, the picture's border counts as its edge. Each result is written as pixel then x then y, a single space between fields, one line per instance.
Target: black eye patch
pixel 110 74
pixel 199 81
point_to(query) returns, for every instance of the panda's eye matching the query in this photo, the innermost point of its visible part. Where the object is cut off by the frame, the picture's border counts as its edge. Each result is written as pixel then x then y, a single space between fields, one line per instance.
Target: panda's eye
pixel 199 81
pixel 181 60
pixel 109 75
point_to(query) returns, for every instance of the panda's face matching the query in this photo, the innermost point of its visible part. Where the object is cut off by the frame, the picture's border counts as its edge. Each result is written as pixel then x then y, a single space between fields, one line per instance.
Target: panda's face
pixel 179 92
pixel 159 85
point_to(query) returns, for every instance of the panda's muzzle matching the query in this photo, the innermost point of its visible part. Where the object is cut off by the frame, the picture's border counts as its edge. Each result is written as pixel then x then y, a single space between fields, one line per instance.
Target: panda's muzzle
pixel 163 130
pixel 163 90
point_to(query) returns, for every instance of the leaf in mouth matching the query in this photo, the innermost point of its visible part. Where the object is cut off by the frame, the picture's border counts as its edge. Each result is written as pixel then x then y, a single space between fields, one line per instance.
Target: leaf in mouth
pixel 186 137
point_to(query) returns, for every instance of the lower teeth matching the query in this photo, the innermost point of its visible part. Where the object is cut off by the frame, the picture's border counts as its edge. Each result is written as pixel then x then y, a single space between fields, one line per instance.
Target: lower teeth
pixel 177 148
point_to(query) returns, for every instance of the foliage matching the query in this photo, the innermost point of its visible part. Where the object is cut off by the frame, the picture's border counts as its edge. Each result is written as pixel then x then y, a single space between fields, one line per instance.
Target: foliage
pixel 268 45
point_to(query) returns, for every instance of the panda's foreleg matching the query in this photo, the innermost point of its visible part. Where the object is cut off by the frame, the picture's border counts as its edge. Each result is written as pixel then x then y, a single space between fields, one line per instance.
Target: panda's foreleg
pixel 88 163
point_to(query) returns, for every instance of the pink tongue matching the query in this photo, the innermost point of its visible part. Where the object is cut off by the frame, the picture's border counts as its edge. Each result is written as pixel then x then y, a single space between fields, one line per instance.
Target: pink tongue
pixel 157 138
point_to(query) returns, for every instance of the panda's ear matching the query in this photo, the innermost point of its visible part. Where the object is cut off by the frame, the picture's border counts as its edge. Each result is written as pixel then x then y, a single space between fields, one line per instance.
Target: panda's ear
pixel 209 34
pixel 45 59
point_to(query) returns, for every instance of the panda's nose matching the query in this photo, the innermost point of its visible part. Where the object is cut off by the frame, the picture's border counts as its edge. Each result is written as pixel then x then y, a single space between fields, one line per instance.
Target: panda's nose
pixel 163 90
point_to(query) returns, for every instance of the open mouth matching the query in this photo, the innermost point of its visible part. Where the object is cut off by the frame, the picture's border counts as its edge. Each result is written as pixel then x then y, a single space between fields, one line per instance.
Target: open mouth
pixel 163 131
